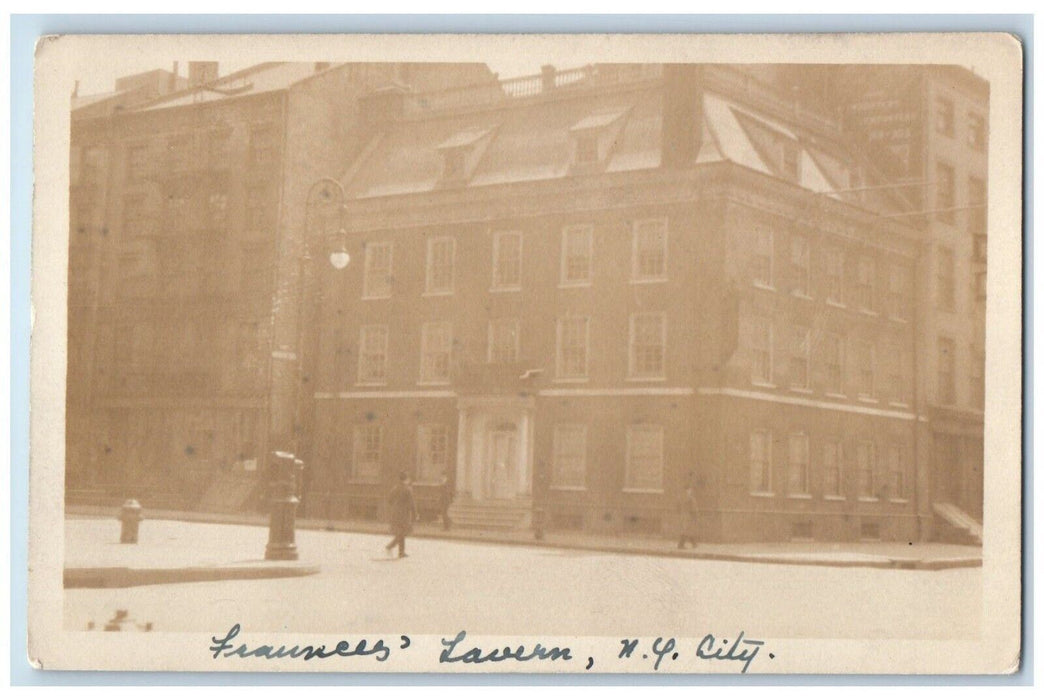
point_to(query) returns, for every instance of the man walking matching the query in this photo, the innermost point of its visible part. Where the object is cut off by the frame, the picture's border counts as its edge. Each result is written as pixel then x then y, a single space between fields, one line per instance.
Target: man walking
pixel 688 511
pixel 403 511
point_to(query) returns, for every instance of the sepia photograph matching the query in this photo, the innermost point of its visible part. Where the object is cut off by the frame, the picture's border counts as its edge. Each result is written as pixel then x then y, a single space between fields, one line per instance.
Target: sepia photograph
pixel 534 359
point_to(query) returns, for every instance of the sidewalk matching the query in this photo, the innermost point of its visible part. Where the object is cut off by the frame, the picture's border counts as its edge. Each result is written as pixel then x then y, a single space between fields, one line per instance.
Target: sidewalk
pixel 168 551
pixel 94 558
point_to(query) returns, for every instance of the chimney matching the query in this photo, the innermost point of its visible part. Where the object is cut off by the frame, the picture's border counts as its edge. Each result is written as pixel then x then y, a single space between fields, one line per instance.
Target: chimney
pixel 202 72
pixel 547 78
pixel 76 89
pixel 682 114
pixel 172 83
pixel 321 66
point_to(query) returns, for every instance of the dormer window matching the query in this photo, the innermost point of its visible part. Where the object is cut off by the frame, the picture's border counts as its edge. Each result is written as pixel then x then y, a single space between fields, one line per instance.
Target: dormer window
pixel 779 149
pixel 593 137
pixel 586 148
pixel 790 159
pixel 462 152
pixel 453 164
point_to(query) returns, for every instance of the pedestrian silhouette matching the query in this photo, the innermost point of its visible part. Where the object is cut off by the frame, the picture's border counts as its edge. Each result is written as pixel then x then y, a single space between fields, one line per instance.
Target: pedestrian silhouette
pixel 403 511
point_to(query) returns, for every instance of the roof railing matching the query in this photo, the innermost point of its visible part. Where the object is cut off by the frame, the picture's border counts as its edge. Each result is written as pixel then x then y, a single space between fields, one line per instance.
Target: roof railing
pixel 549 81
pixel 723 78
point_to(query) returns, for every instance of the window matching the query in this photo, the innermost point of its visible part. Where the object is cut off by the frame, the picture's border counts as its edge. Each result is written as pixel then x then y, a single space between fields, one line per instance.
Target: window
pixel 865 283
pixel 977 381
pixel 790 160
pixel 366 453
pixel 92 167
pixel 503 341
pixel 864 352
pixel 896 473
pixel 944 116
pixel 976 131
pixel 947 363
pixel 436 346
pixel 507 260
pixel 432 453
pixel 833 362
pixel 219 148
pixel 373 354
pixel 572 347
pixel 797 465
pixel 81 214
pixel 217 210
pixel 762 260
pixel 648 340
pixel 570 451
pixel 899 291
pixel 761 462
pixel 800 341
pixel 977 206
pixel 895 376
pixel 650 250
pixel 944 192
pixel 835 276
pixel 439 278
pixel 453 164
pixel 137 162
pixel 866 465
pixel 799 260
pixel 134 219
pixel 264 146
pixel 377 270
pixel 179 213
pixel 761 350
pixel 179 152
pixel 644 458
pixel 586 148
pixel 945 287
pixel 833 474
pixel 576 255
pixel 256 210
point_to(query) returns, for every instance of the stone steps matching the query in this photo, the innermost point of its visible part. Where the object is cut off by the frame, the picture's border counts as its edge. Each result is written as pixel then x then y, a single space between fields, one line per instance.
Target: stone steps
pixel 491 515
pixel 955 526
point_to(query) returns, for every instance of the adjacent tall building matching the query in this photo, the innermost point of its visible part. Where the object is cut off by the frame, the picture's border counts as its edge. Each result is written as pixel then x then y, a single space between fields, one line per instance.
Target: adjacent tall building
pixel 185 250
pixel 573 295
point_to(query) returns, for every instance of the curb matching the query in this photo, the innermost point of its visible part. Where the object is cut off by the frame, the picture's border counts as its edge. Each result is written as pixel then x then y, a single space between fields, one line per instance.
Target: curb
pixel 487 537
pixel 123 577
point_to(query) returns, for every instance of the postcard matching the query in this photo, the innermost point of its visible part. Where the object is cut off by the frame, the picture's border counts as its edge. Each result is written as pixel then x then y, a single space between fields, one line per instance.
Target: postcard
pixel 570 354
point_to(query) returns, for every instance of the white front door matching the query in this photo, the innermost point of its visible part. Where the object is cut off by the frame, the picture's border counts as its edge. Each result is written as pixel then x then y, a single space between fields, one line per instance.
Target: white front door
pixel 502 467
pixel 495 448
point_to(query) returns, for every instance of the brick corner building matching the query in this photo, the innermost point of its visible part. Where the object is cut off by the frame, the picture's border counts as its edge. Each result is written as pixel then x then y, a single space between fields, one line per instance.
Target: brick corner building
pixel 574 294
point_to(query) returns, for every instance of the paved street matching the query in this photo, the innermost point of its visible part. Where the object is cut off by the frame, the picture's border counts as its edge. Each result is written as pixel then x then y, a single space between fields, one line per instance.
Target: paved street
pixel 493 589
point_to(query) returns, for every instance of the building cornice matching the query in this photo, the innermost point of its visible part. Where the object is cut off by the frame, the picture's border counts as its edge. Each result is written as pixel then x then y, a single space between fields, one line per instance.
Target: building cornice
pixel 616 191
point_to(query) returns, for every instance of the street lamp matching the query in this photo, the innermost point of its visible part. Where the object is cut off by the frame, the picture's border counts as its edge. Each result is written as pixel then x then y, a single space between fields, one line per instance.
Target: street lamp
pixel 340 258
pixel 325 212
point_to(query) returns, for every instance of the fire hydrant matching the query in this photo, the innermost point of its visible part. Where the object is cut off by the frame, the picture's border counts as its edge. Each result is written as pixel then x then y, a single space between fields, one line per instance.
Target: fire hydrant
pixel 130 518
pixel 281 522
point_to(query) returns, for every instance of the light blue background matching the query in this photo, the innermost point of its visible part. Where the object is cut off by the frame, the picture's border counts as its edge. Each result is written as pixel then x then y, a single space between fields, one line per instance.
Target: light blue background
pixel 25 29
